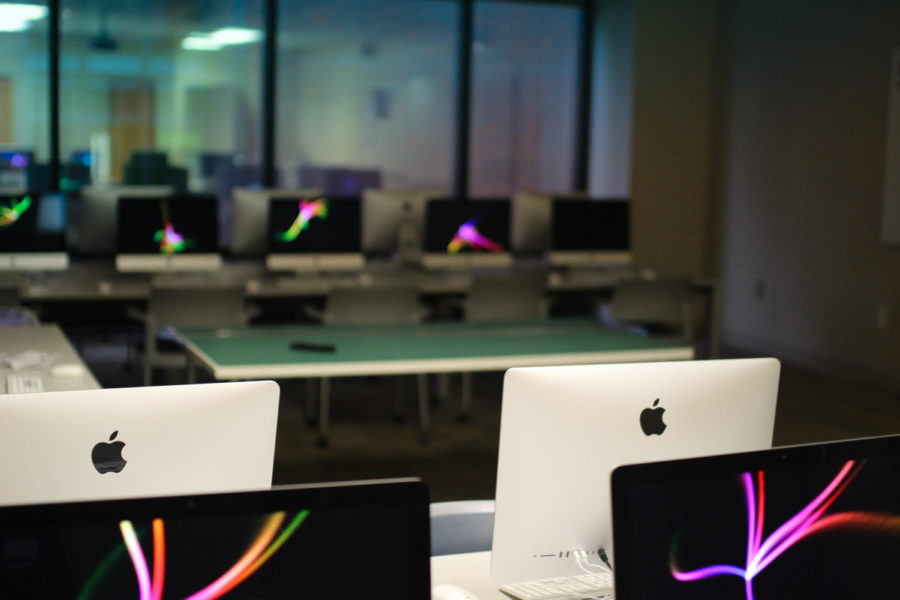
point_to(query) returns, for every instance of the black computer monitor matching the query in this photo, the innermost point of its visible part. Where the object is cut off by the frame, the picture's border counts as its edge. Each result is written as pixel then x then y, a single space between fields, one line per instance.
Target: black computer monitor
pixel 461 234
pixel 317 541
pixel 32 232
pixel 172 233
pixel 592 233
pixel 314 234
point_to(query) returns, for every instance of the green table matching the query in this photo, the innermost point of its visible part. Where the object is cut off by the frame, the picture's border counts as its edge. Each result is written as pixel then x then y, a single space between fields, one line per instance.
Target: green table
pixel 439 347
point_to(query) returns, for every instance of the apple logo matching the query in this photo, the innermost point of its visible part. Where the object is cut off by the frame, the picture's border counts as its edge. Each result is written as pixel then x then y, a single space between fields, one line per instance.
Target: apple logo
pixel 107 457
pixel 652 420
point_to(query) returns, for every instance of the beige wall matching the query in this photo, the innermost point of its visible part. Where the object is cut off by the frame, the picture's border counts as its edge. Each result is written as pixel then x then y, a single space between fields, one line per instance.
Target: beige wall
pixel 804 274
pixel 672 135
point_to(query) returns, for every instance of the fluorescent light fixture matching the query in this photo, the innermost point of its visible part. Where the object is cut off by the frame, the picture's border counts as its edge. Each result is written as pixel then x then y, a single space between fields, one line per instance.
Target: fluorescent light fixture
pixel 12 26
pixel 200 41
pixel 227 36
pixel 236 35
pixel 12 12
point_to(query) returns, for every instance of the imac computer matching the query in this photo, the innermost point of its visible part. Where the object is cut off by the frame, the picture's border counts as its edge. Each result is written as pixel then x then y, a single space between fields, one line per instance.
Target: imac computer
pixel 394 221
pixel 314 234
pixel 139 441
pixel 250 217
pixel 564 429
pixel 32 232
pixel 169 234
pixel 812 521
pixel 530 220
pixel 336 540
pixel 96 220
pixel 464 234
pixel 590 234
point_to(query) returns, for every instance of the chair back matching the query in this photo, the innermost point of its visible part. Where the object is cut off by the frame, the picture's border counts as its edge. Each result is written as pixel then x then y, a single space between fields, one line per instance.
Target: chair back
pixel 208 306
pixel 657 303
pixel 373 306
pixel 461 526
pixel 519 297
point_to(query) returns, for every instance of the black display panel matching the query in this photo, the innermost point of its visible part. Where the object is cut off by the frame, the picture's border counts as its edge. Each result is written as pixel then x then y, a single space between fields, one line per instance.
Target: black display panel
pixel 819 521
pixel 179 224
pixel 323 225
pixel 458 227
pixel 32 223
pixel 333 541
pixel 590 225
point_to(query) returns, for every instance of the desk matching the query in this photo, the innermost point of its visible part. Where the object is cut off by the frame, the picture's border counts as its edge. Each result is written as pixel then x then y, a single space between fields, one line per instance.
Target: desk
pixel 471 571
pixel 437 347
pixel 97 281
pixel 15 339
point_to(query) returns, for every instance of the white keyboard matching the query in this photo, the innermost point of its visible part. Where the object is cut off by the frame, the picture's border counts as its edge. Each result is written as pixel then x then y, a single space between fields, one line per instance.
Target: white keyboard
pixel 578 586
pixel 24 383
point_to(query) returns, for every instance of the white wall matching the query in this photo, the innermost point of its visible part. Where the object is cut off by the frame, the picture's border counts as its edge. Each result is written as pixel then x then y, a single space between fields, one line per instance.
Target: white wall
pixel 804 274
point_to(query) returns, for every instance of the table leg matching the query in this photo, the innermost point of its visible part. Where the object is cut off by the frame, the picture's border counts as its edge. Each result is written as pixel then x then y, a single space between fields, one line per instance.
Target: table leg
pixel 399 397
pixel 715 319
pixel 424 408
pixel 324 399
pixel 309 402
pixel 465 408
pixel 191 366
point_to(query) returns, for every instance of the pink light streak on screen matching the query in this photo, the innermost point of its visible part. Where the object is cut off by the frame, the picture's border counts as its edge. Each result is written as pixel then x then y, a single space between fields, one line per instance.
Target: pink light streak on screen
pixel 308 210
pixel 807 521
pixel 261 549
pixel 468 234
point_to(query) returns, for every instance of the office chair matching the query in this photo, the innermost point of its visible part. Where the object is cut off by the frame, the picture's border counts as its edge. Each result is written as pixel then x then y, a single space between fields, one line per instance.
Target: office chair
pixel 209 305
pixel 653 307
pixel 461 526
pixel 517 297
pixel 372 306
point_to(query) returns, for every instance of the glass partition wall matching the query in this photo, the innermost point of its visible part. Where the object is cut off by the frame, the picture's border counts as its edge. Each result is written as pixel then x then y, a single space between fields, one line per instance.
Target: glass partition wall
pixel 24 97
pixel 162 91
pixel 366 94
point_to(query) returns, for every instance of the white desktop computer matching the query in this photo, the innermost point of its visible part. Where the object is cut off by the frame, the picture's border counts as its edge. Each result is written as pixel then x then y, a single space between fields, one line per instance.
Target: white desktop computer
pixel 145 441
pixel 564 429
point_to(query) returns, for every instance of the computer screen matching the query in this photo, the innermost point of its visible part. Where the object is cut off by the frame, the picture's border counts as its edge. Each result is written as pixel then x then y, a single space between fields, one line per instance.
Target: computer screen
pixel 469 232
pixel 173 233
pixel 594 232
pixel 177 224
pixel 812 521
pixel 32 231
pixel 317 233
pixel 368 540
pixel 314 225
pixel 564 429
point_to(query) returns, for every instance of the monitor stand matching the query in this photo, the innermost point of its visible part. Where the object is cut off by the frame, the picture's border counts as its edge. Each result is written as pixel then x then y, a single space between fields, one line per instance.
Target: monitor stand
pixel 34 261
pixel 167 263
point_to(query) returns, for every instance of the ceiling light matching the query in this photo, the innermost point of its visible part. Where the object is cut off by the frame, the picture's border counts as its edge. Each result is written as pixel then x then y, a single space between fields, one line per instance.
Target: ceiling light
pixel 10 25
pixel 10 11
pixel 200 41
pixel 236 35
